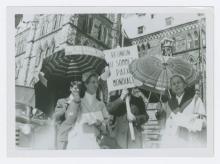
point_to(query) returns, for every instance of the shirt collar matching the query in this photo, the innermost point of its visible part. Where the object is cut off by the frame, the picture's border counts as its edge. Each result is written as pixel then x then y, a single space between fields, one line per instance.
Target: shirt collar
pixel 179 98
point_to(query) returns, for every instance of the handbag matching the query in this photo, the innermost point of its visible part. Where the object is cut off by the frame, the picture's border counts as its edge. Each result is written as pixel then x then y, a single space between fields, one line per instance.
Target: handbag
pixel 107 142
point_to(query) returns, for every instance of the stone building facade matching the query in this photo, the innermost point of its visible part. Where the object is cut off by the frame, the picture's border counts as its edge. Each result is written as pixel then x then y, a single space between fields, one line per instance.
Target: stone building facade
pixel 189 42
pixel 45 34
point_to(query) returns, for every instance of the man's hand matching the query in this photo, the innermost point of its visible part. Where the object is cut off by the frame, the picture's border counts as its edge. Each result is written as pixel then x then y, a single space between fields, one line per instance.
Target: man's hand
pixel 131 117
pixel 124 94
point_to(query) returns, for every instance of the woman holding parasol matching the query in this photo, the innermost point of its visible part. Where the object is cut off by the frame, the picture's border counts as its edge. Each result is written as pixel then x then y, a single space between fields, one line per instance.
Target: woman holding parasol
pixel 160 73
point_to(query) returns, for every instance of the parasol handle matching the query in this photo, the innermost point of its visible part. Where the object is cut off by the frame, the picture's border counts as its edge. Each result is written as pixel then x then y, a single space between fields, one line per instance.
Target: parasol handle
pixel 148 100
pixel 128 108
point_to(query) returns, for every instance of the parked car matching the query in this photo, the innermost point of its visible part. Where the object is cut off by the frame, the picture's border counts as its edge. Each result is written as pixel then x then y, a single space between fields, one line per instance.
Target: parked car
pixel 28 120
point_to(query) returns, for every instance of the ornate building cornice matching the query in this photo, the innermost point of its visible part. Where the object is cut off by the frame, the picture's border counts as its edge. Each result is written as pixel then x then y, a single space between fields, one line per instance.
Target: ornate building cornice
pixel 166 32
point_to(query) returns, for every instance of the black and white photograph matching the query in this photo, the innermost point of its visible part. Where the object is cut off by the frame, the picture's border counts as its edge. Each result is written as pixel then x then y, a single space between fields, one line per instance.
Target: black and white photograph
pixel 132 80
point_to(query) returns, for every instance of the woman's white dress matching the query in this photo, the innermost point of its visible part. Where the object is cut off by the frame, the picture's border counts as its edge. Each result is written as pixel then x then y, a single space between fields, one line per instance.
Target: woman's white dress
pixel 186 119
pixel 82 135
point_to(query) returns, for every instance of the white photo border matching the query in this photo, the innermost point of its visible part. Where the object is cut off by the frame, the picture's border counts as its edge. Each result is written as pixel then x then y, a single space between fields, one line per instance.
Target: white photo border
pixel 161 152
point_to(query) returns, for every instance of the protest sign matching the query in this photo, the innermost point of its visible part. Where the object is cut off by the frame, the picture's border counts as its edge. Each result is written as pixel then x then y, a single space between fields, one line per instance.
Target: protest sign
pixel 119 60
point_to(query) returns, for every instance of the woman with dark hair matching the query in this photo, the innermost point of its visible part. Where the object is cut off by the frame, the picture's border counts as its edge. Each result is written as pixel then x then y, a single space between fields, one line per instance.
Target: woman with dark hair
pixel 91 117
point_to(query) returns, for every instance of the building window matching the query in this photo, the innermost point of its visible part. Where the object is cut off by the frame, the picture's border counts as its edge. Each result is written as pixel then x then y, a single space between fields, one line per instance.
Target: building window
pixel 85 23
pixel 143 47
pixel 39 57
pixel 148 45
pixel 152 16
pixel 189 41
pixel 174 44
pixel 42 30
pixel 104 34
pixel 55 22
pixel 47 52
pixel 141 14
pixel 90 25
pixel 17 69
pixel 138 47
pixel 196 39
pixel 100 32
pixel 140 30
pixel 169 21
pixel 200 14
pixel 107 36
pixel 203 38
pixel 53 47
pixel 20 46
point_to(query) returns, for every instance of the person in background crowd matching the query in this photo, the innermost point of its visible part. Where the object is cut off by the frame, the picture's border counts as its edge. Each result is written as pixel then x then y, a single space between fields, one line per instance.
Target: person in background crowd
pixel 66 113
pixel 91 117
pixel 117 108
pixel 184 115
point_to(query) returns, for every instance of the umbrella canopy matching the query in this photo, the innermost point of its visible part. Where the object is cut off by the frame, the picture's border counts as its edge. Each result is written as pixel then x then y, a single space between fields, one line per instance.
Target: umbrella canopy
pixel 72 62
pixel 155 71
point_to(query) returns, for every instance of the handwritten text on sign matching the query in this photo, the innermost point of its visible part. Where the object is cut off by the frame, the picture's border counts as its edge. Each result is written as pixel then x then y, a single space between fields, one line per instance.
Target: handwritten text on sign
pixel 119 60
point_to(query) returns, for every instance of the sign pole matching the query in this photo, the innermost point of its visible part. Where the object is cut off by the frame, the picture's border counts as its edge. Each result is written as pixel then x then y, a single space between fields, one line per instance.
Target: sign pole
pixel 128 108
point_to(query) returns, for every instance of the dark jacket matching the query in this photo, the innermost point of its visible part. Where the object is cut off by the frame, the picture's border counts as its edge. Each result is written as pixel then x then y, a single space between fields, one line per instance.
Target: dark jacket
pixel 117 108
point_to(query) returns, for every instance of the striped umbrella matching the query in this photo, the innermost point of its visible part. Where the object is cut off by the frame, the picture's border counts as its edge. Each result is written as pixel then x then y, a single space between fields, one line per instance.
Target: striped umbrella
pixel 155 71
pixel 72 62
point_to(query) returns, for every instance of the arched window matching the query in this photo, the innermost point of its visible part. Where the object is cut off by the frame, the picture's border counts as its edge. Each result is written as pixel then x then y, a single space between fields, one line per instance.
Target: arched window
pixel 18 66
pixel 47 52
pixel 100 32
pixel 138 47
pixel 196 39
pixel 85 23
pixel 143 47
pixel 203 37
pixel 90 25
pixel 46 27
pixel 107 36
pixel 148 45
pixel 42 30
pixel 53 45
pixel 60 20
pixel 174 44
pixel 104 34
pixel 39 57
pixel 189 41
pixel 55 22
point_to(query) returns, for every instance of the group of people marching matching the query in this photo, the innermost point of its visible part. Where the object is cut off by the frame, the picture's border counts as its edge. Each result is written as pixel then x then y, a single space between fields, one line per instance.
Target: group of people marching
pixel 85 122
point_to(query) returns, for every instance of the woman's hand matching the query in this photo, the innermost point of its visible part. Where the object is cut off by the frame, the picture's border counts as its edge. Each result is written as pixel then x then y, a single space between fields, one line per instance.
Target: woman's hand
pixel 105 75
